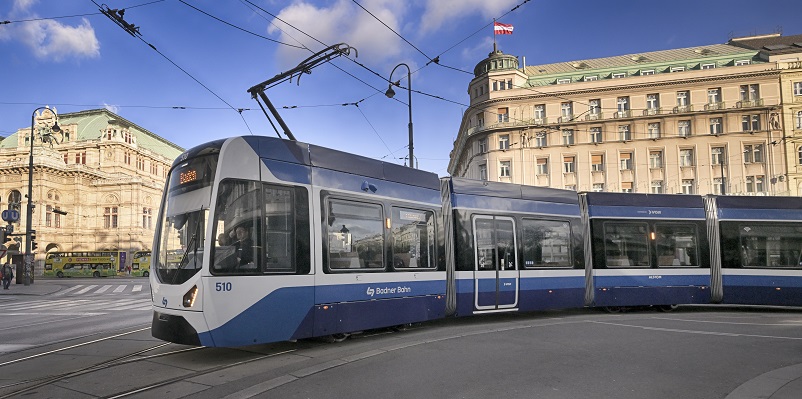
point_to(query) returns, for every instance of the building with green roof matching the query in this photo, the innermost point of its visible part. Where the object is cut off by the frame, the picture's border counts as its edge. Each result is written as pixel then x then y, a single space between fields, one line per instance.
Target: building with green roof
pixel 97 183
pixel 699 120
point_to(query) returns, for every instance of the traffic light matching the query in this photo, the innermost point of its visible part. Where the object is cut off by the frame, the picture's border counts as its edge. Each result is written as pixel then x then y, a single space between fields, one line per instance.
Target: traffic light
pixel 33 240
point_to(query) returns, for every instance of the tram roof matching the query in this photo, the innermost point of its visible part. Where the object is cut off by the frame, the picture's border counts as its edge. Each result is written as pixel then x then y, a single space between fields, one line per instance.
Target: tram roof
pixel 327 158
pixel 642 199
pixel 461 185
pixel 757 202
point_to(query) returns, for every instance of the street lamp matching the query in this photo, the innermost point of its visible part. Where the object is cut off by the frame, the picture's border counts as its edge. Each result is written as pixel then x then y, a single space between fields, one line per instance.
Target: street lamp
pixel 29 212
pixel 390 93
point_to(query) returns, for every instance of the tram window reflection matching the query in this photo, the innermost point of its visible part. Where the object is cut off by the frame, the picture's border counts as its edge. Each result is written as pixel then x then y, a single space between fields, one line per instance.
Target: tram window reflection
pixel 546 243
pixel 771 246
pixel 626 244
pixel 355 235
pixel 413 239
pixel 238 228
pixel 676 245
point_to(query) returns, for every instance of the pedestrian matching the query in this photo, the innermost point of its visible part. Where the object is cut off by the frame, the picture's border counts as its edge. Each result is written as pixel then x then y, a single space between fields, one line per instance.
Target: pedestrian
pixel 8 274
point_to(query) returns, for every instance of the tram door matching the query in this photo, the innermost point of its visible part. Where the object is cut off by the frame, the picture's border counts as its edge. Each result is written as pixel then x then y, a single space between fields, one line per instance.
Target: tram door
pixel 496 263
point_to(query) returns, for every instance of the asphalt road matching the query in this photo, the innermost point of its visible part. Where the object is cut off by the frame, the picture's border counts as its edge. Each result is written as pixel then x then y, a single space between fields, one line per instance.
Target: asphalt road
pixel 693 352
pixel 54 310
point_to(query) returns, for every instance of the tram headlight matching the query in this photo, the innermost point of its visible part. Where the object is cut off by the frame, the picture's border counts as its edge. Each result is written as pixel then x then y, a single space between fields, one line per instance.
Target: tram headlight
pixel 189 297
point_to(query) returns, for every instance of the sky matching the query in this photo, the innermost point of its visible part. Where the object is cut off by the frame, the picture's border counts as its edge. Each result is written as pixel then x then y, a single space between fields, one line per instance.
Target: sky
pixel 185 76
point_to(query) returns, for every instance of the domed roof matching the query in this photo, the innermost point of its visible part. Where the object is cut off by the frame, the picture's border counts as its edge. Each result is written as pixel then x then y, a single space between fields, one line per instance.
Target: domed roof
pixel 495 61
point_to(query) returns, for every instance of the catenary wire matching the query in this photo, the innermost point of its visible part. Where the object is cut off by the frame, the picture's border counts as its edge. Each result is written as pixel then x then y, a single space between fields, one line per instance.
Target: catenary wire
pixel 139 36
pixel 237 27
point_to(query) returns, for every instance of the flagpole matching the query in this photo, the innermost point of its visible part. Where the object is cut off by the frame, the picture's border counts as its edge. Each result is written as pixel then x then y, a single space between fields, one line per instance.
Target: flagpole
pixel 494 35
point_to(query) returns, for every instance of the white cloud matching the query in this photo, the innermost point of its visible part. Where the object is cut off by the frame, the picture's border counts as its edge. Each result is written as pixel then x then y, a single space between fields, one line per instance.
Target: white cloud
pixel 341 22
pixel 49 39
pixel 112 108
pixel 439 12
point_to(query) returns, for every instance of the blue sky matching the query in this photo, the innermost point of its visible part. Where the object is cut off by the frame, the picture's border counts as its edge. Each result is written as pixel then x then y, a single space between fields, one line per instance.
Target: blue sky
pixel 81 60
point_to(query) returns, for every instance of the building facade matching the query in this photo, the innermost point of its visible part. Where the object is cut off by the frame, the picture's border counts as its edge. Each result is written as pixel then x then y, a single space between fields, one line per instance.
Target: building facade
pixel 704 120
pixel 97 183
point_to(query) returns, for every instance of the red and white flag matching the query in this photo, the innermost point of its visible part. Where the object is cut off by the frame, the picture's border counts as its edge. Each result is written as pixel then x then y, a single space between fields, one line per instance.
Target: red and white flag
pixel 502 29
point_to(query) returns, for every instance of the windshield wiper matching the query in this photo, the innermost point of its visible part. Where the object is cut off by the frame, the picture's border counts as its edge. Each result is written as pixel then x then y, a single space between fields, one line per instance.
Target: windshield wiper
pixel 190 245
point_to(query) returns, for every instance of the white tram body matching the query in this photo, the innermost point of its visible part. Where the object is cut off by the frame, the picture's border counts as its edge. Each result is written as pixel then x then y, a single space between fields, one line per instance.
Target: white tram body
pixel 336 243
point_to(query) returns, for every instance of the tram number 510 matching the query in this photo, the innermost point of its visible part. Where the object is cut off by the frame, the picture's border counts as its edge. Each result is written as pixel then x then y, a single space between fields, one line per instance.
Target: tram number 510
pixel 222 286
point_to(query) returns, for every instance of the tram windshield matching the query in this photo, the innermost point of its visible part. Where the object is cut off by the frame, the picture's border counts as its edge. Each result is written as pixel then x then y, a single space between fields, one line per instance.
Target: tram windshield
pixel 184 217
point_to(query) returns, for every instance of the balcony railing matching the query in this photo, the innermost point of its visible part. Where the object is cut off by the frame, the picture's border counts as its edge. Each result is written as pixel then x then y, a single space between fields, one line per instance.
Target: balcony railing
pixel 749 103
pixel 565 118
pixel 623 114
pixel 594 117
pixel 652 111
pixel 714 106
pixel 540 121
pixel 679 109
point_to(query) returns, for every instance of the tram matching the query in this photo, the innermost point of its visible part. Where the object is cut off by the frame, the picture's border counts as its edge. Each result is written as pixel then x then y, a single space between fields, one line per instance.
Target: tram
pixel 262 239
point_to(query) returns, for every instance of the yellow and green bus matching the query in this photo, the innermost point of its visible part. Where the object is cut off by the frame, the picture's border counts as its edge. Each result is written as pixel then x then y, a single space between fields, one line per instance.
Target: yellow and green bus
pixel 84 263
pixel 140 264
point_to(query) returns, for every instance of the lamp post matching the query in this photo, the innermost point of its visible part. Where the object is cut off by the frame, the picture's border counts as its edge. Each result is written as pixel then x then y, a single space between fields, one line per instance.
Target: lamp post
pixel 29 211
pixel 390 93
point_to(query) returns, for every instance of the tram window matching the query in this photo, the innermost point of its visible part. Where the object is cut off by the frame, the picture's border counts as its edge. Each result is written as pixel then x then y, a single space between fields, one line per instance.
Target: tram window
pixel 279 225
pixel 626 244
pixel 771 246
pixel 676 245
pixel 546 243
pixel 239 232
pixel 495 243
pixel 355 235
pixel 413 239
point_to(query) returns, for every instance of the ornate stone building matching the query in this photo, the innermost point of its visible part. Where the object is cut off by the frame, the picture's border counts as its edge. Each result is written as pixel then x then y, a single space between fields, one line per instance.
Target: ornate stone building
pixel 97 183
pixel 786 53
pixel 709 119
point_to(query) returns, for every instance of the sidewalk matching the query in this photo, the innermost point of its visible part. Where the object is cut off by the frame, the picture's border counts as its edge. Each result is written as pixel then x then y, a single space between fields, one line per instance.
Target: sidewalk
pixel 37 288
pixel 783 383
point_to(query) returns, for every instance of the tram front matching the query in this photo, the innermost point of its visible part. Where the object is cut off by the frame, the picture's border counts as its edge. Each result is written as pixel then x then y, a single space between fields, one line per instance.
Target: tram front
pixel 178 246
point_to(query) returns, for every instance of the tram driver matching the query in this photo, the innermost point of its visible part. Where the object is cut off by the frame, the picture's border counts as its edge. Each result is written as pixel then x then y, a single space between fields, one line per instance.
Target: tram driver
pixel 243 245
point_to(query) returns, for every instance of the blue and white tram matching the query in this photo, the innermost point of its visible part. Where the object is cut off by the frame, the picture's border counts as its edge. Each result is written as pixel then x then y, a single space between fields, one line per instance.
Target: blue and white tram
pixel 263 240
pixel 646 249
pixel 515 247
pixel 760 250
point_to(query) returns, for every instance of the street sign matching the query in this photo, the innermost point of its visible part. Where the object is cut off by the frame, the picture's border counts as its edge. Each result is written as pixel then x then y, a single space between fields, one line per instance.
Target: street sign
pixel 10 215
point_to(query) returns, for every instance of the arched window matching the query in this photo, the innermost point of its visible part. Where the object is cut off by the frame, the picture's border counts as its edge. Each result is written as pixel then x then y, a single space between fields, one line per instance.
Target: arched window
pixel 14 200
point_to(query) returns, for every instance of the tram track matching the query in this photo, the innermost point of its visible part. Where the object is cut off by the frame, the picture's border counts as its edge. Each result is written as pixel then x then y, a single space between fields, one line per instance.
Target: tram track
pixel 47 380
pixel 28 386
pixel 160 384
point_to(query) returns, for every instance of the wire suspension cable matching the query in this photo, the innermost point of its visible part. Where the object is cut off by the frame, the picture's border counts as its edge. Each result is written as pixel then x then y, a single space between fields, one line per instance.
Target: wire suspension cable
pixel 117 17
